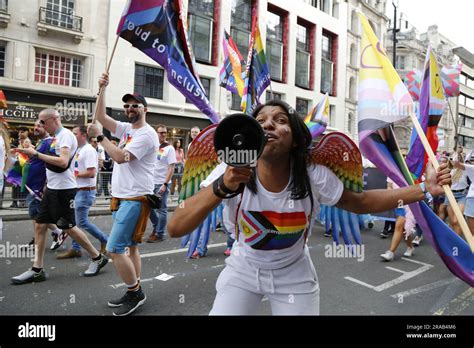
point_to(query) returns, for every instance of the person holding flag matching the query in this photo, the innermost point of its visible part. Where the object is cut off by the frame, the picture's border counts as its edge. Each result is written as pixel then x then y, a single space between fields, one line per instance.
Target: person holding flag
pixel 273 216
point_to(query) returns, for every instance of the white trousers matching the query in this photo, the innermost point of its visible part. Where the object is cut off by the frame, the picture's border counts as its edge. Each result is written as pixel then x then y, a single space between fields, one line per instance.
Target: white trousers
pixel 292 290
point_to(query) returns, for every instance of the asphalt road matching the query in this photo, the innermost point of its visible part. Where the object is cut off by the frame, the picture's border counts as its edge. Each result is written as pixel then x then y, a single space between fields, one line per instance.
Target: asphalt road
pixel 420 286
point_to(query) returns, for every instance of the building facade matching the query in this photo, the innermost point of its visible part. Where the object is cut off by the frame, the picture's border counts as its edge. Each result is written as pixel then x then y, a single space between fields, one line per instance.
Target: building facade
pixel 50 56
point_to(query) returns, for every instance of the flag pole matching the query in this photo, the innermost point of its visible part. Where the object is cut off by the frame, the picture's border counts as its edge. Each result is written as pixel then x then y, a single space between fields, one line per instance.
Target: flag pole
pixel 447 189
pixel 101 89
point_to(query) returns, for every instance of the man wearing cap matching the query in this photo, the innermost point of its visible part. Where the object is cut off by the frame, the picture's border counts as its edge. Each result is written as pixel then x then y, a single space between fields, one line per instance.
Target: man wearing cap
pixel 132 181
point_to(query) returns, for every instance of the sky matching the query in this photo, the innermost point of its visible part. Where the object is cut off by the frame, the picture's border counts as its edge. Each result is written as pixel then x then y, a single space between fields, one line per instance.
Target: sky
pixel 455 18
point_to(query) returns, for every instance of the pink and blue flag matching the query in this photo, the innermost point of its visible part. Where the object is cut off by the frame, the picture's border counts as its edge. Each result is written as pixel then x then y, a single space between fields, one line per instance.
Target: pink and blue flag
pixel 382 100
pixel 157 28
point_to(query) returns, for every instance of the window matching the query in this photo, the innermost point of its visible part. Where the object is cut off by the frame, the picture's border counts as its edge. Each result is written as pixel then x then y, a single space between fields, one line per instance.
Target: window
pixel 274 47
pixel 2 59
pixel 470 102
pixel 149 81
pixel 463 79
pixel 201 21
pixel 327 65
pixel 401 62
pixel 302 106
pixel 332 115
pixel 467 121
pixel 470 82
pixel 324 5
pixel 276 96
pixel 350 123
pixel 206 83
pixel 352 89
pixel 466 141
pixel 60 13
pixel 353 57
pixel 241 23
pixel 236 100
pixel 302 57
pixel 354 22
pixel 58 70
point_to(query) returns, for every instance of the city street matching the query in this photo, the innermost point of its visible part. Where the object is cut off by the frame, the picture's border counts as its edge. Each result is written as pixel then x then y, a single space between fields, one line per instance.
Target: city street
pixel 418 286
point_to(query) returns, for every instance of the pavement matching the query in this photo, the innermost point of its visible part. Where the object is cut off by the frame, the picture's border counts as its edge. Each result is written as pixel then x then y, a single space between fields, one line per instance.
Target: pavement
pixel 177 285
pixel 100 208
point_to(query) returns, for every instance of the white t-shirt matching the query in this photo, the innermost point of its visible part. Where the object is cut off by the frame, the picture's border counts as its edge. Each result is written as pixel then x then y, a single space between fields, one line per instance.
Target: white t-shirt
pixel 65 180
pixel 135 178
pixel 165 156
pixel 101 152
pixel 273 226
pixel 2 155
pixel 461 184
pixel 469 169
pixel 86 157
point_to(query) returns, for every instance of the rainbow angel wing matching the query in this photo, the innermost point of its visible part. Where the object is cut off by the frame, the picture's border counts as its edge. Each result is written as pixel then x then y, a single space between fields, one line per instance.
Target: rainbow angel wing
pixel 341 155
pixel 201 160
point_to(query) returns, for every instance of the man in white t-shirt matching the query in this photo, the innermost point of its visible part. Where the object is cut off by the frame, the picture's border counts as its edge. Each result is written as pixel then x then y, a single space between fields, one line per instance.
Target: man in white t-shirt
pixel 132 187
pixel 57 204
pixel 85 171
pixel 164 169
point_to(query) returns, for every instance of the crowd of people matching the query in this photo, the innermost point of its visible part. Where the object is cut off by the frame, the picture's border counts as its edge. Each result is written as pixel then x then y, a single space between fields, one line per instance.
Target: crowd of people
pixel 268 222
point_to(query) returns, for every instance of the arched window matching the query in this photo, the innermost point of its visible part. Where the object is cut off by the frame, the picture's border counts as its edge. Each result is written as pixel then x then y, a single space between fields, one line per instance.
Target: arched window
pixel 352 88
pixel 354 22
pixel 353 55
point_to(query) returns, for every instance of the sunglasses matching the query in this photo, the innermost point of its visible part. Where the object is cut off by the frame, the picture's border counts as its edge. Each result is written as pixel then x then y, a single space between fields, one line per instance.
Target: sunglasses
pixel 162 132
pixel 135 106
pixel 43 122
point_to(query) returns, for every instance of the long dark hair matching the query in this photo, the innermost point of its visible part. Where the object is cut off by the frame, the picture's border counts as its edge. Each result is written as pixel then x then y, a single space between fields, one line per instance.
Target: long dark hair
pixel 299 184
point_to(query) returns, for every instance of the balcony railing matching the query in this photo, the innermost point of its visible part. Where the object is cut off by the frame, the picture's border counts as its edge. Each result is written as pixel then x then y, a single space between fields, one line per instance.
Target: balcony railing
pixel 60 19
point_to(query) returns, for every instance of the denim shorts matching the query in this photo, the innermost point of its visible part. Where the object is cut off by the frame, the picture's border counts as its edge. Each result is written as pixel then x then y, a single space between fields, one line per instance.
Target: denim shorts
pixel 33 206
pixel 125 219
pixel 460 197
pixel 469 207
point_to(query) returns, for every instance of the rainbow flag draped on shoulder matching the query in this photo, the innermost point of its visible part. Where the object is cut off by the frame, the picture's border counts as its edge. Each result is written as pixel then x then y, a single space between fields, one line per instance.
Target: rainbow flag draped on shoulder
pixel 158 29
pixel 382 100
pixel 257 74
pixel 318 118
pixel 431 108
pixel 18 174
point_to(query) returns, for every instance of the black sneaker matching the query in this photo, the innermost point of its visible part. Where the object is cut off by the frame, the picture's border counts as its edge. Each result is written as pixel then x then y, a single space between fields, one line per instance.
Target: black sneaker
pixel 132 300
pixel 95 266
pixel 29 276
pixel 118 302
pixel 384 234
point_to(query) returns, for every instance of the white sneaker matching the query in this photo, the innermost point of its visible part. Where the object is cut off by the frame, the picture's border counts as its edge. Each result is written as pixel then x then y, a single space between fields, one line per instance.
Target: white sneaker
pixel 417 240
pixel 409 252
pixel 387 256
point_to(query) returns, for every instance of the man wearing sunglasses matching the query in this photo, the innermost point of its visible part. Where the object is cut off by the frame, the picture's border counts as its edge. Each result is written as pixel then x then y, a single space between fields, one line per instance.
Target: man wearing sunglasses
pixel 132 181
pixel 57 204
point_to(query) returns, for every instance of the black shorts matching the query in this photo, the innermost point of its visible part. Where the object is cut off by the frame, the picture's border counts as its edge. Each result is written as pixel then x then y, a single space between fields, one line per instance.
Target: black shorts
pixel 57 207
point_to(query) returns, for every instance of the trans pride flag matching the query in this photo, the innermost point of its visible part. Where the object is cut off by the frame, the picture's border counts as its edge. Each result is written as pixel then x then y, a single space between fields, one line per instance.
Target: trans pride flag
pixel 317 119
pixel 157 28
pixel 384 99
pixel 432 104
pixel 231 71
pixel 257 75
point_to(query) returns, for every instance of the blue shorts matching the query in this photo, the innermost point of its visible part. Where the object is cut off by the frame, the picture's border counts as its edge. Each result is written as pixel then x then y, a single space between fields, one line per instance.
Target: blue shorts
pixel 460 197
pixel 400 212
pixel 125 219
pixel 469 207
pixel 33 206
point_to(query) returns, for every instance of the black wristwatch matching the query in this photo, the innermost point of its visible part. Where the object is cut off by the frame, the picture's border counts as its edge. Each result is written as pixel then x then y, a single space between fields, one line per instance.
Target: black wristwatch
pixel 100 138
pixel 166 184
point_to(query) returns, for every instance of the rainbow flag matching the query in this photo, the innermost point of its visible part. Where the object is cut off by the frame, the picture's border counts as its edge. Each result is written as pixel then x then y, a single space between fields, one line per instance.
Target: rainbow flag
pixel 158 28
pixel 432 104
pixel 384 99
pixel 18 174
pixel 318 118
pixel 257 74
pixel 3 100
pixel 231 72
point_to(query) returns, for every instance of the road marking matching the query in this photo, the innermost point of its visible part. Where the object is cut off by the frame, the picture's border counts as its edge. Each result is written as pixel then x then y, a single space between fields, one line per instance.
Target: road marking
pixel 457 305
pixel 405 276
pixel 424 288
pixel 176 251
pixel 145 280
